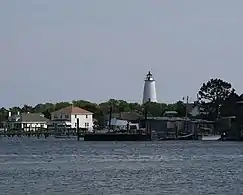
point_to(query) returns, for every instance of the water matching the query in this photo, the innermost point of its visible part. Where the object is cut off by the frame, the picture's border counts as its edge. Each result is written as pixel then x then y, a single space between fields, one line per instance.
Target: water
pixel 54 166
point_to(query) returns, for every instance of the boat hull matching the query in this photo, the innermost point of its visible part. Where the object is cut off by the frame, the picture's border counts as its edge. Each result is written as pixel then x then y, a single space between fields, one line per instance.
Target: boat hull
pixel 185 137
pixel 211 138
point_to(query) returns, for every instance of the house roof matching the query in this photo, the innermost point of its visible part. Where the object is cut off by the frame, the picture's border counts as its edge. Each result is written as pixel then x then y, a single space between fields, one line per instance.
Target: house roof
pixel 128 116
pixel 28 117
pixel 33 117
pixel 72 110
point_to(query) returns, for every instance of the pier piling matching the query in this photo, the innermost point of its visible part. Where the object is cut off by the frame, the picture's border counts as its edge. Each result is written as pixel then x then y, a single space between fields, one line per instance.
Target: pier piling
pixel 78 130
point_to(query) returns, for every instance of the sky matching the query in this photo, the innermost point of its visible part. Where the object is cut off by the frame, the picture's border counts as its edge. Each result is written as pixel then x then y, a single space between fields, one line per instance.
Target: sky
pixel 96 50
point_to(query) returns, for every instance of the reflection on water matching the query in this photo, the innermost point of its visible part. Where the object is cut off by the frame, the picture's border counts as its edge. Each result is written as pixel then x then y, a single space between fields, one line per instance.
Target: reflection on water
pixel 52 166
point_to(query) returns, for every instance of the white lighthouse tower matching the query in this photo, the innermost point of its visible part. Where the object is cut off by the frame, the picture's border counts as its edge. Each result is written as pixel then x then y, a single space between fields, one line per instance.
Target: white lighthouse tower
pixel 149 92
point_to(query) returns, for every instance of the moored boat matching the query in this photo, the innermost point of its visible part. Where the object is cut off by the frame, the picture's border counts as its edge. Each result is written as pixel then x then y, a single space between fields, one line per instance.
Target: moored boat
pixel 189 136
pixel 210 137
pixel 207 134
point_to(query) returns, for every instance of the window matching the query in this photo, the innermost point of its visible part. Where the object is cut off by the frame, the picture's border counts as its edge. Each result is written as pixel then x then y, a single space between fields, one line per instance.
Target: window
pixel 86 125
pixel 86 116
pixel 75 124
pixel 75 115
pixel 66 116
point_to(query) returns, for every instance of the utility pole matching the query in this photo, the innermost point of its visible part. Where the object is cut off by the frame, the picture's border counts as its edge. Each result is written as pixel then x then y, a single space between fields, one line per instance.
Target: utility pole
pixel 110 116
pixel 218 113
pixel 186 125
pixel 145 118
pixel 78 130
pixel 187 99
pixel 198 104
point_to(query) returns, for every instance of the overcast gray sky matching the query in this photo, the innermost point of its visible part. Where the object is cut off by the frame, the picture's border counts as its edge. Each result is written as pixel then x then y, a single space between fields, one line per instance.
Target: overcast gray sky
pixel 61 50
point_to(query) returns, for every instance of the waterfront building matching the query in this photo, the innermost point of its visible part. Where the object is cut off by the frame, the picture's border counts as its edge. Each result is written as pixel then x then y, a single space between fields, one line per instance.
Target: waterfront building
pixel 71 117
pixel 168 124
pixel 124 120
pixel 26 121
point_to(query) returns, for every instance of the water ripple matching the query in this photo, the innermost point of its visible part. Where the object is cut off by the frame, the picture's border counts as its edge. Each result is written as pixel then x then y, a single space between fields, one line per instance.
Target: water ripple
pixel 51 166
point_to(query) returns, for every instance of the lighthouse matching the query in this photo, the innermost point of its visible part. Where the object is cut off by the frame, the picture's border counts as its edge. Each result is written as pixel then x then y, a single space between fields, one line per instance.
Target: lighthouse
pixel 149 92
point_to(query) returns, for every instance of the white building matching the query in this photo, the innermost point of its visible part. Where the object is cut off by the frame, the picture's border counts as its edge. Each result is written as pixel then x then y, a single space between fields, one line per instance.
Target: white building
pixel 149 92
pixel 124 120
pixel 69 117
pixel 195 109
pixel 26 121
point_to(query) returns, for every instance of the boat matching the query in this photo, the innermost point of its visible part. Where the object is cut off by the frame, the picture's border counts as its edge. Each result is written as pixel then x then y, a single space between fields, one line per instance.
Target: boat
pixel 189 136
pixel 210 137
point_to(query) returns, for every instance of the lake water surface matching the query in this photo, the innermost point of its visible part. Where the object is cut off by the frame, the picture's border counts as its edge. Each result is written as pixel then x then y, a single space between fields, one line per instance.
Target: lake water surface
pixel 57 166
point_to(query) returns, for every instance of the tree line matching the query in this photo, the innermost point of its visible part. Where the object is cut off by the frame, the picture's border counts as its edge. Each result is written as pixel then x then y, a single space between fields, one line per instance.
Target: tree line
pixel 216 97
pixel 100 111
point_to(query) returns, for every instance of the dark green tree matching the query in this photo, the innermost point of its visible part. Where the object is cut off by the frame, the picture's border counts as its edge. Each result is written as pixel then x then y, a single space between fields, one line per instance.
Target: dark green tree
pixel 3 114
pixel 26 108
pixel 229 106
pixel 135 107
pixel 155 109
pixel 61 105
pixel 213 94
pixel 180 107
pixel 123 106
pixel 47 113
pixel 41 108
pixel 15 110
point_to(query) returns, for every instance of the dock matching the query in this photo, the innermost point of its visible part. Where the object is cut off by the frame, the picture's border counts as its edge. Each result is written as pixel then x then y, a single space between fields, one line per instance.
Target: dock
pixel 40 133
